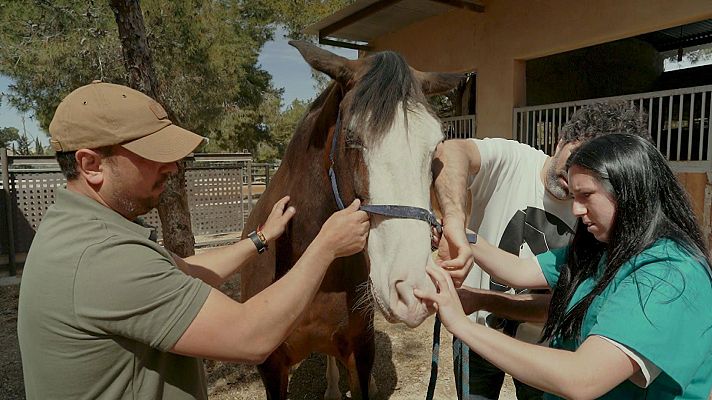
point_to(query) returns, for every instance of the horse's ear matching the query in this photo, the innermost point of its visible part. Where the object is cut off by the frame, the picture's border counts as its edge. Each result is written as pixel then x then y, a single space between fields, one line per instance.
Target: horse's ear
pixel 433 83
pixel 338 68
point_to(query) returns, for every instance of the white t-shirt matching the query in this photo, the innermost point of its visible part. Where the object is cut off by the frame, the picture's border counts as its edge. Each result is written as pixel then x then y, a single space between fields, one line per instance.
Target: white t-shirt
pixel 512 210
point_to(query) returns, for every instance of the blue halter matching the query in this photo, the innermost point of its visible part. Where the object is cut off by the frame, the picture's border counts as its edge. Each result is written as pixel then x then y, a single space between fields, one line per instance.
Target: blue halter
pixel 389 210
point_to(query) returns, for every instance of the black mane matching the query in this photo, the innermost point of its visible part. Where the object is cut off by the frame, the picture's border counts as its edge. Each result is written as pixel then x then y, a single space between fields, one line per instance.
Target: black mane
pixel 388 82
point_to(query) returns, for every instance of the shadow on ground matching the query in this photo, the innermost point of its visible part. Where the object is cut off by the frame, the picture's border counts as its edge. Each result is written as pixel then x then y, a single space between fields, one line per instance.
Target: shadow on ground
pixel 308 381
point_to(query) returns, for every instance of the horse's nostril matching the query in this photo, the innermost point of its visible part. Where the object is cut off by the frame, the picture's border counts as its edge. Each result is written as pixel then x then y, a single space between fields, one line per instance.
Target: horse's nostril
pixel 405 293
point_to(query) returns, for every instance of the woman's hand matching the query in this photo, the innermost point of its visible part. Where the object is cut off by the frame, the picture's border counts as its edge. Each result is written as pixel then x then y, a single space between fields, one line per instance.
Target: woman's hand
pixel 445 300
pixel 278 219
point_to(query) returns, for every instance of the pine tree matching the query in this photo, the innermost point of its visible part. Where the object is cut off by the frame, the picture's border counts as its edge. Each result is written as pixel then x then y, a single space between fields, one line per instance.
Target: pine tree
pixel 39 149
pixel 23 145
pixel 8 135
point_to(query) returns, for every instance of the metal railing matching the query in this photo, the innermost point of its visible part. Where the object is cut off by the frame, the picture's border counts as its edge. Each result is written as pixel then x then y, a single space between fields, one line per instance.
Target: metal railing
pixel 678 121
pixel 461 127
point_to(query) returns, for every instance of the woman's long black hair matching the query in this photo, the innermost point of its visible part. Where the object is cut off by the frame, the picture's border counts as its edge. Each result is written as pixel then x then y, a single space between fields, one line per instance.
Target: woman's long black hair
pixel 650 204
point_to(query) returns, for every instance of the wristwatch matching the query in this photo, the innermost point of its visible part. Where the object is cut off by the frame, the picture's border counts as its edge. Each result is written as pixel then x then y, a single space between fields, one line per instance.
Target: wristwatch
pixel 471 237
pixel 258 238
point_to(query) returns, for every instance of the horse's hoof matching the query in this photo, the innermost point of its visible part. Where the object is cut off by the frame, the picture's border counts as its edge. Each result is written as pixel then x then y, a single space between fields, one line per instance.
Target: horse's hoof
pixel 332 394
pixel 372 388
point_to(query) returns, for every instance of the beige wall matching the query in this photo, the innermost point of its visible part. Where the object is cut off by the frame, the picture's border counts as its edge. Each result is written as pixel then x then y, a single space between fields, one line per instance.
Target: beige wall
pixel 497 43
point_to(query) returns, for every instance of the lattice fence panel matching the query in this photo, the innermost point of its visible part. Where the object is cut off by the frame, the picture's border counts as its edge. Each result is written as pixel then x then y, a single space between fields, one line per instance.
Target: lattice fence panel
pixel 33 193
pixel 218 200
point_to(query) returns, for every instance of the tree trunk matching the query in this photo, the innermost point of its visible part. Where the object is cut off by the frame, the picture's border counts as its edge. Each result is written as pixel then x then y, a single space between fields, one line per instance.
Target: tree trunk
pixel 173 207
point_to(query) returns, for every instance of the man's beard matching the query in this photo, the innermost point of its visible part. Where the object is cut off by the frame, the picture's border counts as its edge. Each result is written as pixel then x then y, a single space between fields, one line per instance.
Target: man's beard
pixel 135 207
pixel 552 183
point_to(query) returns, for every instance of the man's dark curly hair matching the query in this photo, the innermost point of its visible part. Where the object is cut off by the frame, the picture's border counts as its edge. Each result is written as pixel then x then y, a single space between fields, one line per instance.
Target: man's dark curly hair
pixel 600 119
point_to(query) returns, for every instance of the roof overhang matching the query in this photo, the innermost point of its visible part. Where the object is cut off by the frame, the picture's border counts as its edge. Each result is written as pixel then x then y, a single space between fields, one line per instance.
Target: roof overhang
pixel 690 35
pixel 356 25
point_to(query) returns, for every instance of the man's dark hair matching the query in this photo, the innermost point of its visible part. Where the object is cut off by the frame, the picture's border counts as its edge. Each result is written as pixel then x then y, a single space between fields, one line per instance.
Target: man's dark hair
pixel 68 162
pixel 600 119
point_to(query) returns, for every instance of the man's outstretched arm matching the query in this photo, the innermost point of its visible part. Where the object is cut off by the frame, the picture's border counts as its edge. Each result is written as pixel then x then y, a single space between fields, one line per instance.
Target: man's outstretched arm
pixel 525 307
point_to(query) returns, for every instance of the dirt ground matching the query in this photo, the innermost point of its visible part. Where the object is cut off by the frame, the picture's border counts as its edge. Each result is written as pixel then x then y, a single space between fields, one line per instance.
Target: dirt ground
pixel 402 368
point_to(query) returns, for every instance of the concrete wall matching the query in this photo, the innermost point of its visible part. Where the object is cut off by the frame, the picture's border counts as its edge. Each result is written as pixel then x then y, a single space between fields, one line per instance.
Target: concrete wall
pixel 497 43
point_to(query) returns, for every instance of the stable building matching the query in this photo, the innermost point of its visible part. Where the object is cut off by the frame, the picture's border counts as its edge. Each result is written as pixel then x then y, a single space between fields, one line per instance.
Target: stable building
pixel 535 62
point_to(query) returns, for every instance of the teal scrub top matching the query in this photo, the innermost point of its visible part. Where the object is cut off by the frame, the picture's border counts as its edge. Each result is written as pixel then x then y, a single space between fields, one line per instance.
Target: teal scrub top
pixel 659 304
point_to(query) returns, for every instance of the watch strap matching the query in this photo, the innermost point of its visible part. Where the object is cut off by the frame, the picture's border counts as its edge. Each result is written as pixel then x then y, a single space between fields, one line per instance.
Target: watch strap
pixel 471 238
pixel 257 240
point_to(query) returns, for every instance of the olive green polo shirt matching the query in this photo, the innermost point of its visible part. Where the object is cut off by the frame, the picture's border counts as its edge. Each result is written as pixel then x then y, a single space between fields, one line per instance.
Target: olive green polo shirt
pixel 100 306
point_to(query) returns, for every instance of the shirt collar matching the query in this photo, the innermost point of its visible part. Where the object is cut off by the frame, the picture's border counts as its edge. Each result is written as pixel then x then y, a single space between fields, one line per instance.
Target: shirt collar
pixel 80 204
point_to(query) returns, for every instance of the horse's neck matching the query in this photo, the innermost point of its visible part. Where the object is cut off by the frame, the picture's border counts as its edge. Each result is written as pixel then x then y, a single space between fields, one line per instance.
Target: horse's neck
pixel 305 166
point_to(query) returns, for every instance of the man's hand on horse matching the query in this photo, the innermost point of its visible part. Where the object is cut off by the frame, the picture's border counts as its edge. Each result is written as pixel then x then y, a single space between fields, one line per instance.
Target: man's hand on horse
pixel 346 231
pixel 278 219
pixel 454 252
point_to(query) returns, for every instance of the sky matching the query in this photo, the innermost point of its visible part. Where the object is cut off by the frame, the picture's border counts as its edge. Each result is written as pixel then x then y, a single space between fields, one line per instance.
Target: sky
pixel 289 71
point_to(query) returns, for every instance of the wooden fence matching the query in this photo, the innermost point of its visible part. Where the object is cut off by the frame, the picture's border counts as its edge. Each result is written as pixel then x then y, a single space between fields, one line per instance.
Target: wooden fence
pixel 221 188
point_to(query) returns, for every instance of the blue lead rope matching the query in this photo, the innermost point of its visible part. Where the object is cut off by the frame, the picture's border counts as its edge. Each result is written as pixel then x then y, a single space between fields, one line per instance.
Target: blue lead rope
pixel 435 359
pixel 464 353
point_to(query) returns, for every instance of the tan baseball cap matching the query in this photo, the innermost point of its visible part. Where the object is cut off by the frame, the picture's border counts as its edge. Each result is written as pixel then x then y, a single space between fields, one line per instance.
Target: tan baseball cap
pixel 103 114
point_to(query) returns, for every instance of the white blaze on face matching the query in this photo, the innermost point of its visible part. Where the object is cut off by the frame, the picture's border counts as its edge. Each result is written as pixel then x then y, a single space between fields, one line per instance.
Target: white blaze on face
pixel 399 249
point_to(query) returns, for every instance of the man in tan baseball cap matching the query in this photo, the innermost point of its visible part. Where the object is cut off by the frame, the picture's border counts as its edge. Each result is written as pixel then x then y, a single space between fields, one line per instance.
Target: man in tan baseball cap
pixel 104 310
pixel 117 146
pixel 103 114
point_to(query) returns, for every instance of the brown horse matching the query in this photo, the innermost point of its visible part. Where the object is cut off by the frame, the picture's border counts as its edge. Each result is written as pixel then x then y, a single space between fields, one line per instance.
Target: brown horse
pixel 383 151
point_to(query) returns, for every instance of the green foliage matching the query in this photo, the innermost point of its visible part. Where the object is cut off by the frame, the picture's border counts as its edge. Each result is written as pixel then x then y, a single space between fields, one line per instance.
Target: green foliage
pixel 23 146
pixel 296 15
pixel 39 149
pixel 205 53
pixel 50 48
pixel 442 105
pixel 282 127
pixel 8 135
pixel 693 57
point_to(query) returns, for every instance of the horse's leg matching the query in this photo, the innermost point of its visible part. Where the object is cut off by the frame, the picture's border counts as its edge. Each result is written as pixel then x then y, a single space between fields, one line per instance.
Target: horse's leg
pixel 360 365
pixel 332 379
pixel 275 374
pixel 365 355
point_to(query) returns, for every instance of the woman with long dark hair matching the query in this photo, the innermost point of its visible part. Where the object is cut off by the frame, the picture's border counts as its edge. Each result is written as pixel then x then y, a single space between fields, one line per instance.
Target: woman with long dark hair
pixel 631 312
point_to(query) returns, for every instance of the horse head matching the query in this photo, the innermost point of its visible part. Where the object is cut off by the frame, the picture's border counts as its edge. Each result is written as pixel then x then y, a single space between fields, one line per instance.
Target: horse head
pixel 384 135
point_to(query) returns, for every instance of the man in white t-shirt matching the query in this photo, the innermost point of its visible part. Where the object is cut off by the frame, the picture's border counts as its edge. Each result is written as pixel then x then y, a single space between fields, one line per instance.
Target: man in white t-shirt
pixel 520 202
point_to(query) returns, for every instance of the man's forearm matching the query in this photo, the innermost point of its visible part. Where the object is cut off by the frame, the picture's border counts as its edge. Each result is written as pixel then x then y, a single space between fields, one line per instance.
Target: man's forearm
pixel 277 310
pixel 507 268
pixel 249 332
pixel 518 307
pixel 215 266
pixel 451 167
